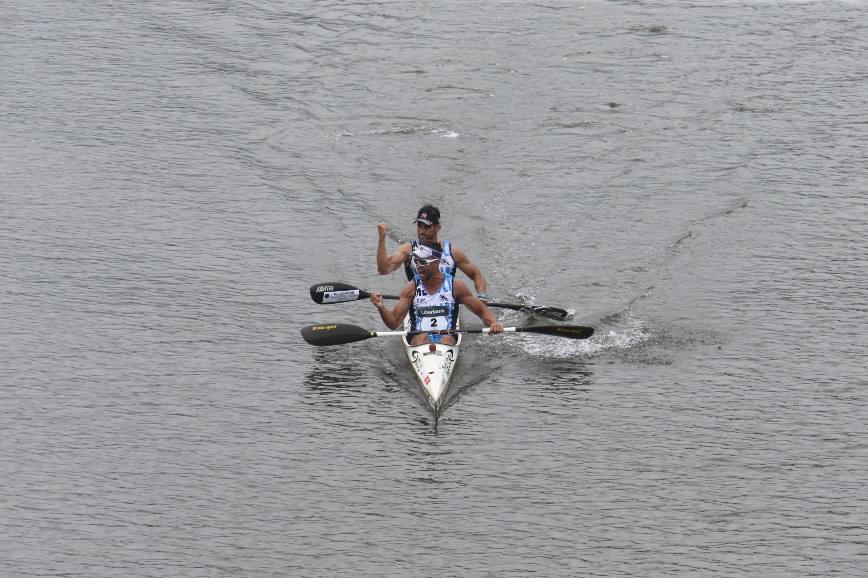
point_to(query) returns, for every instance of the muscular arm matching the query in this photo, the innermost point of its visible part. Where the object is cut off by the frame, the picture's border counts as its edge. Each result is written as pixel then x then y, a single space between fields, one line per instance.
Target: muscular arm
pixel 387 264
pixel 393 317
pixel 469 269
pixel 462 293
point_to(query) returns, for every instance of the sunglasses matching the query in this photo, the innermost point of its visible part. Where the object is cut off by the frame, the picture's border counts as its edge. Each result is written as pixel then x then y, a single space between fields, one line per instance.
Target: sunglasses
pixel 423 262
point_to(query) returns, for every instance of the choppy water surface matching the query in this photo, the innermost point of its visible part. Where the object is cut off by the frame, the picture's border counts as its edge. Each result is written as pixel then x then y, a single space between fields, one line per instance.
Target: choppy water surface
pixel 689 177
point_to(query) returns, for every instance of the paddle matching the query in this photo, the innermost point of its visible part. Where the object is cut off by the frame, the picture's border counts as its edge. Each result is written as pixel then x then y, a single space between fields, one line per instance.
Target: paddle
pixel 341 333
pixel 541 310
pixel 334 292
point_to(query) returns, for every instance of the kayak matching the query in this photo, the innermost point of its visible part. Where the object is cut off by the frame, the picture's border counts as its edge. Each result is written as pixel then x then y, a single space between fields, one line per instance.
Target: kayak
pixel 433 367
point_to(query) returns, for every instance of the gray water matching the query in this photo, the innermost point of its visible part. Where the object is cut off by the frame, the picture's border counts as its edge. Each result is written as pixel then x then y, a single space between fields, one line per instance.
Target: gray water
pixel 690 177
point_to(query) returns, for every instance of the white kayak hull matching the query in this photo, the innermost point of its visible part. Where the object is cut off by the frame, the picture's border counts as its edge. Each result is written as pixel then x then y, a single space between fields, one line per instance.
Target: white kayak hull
pixel 433 369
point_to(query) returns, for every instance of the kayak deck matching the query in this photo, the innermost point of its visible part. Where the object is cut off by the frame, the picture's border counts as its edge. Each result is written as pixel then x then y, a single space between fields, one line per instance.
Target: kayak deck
pixel 433 368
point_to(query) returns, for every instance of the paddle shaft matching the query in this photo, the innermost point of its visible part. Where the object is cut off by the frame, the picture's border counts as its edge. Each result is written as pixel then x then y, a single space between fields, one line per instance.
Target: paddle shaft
pixel 445 331
pixel 568 331
pixel 337 292
pixel 340 333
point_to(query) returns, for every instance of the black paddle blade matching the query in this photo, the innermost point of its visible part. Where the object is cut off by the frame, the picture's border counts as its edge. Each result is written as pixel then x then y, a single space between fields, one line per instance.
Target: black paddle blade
pixel 568 331
pixel 541 310
pixel 550 312
pixel 333 292
pixel 334 334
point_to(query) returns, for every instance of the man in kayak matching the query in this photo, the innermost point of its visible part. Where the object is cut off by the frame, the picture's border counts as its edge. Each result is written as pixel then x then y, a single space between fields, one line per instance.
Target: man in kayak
pixel 428 231
pixel 432 300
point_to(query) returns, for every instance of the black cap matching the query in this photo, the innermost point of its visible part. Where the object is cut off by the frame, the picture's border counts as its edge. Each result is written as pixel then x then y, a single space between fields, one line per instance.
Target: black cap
pixel 428 215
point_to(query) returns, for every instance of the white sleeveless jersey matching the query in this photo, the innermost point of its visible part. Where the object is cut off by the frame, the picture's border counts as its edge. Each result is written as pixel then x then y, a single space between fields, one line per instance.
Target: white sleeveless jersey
pixel 434 311
pixel 447 263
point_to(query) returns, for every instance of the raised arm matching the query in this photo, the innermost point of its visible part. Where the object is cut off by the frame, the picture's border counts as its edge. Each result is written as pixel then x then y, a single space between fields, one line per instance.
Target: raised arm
pixel 471 270
pixel 387 264
pixel 393 318
pixel 462 293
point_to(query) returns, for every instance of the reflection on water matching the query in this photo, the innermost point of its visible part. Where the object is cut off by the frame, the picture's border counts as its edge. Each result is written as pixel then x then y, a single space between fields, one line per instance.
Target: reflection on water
pixel 567 375
pixel 333 379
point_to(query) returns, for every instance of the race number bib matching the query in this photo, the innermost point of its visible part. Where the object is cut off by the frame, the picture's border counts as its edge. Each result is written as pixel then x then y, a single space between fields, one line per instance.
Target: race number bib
pixel 433 318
